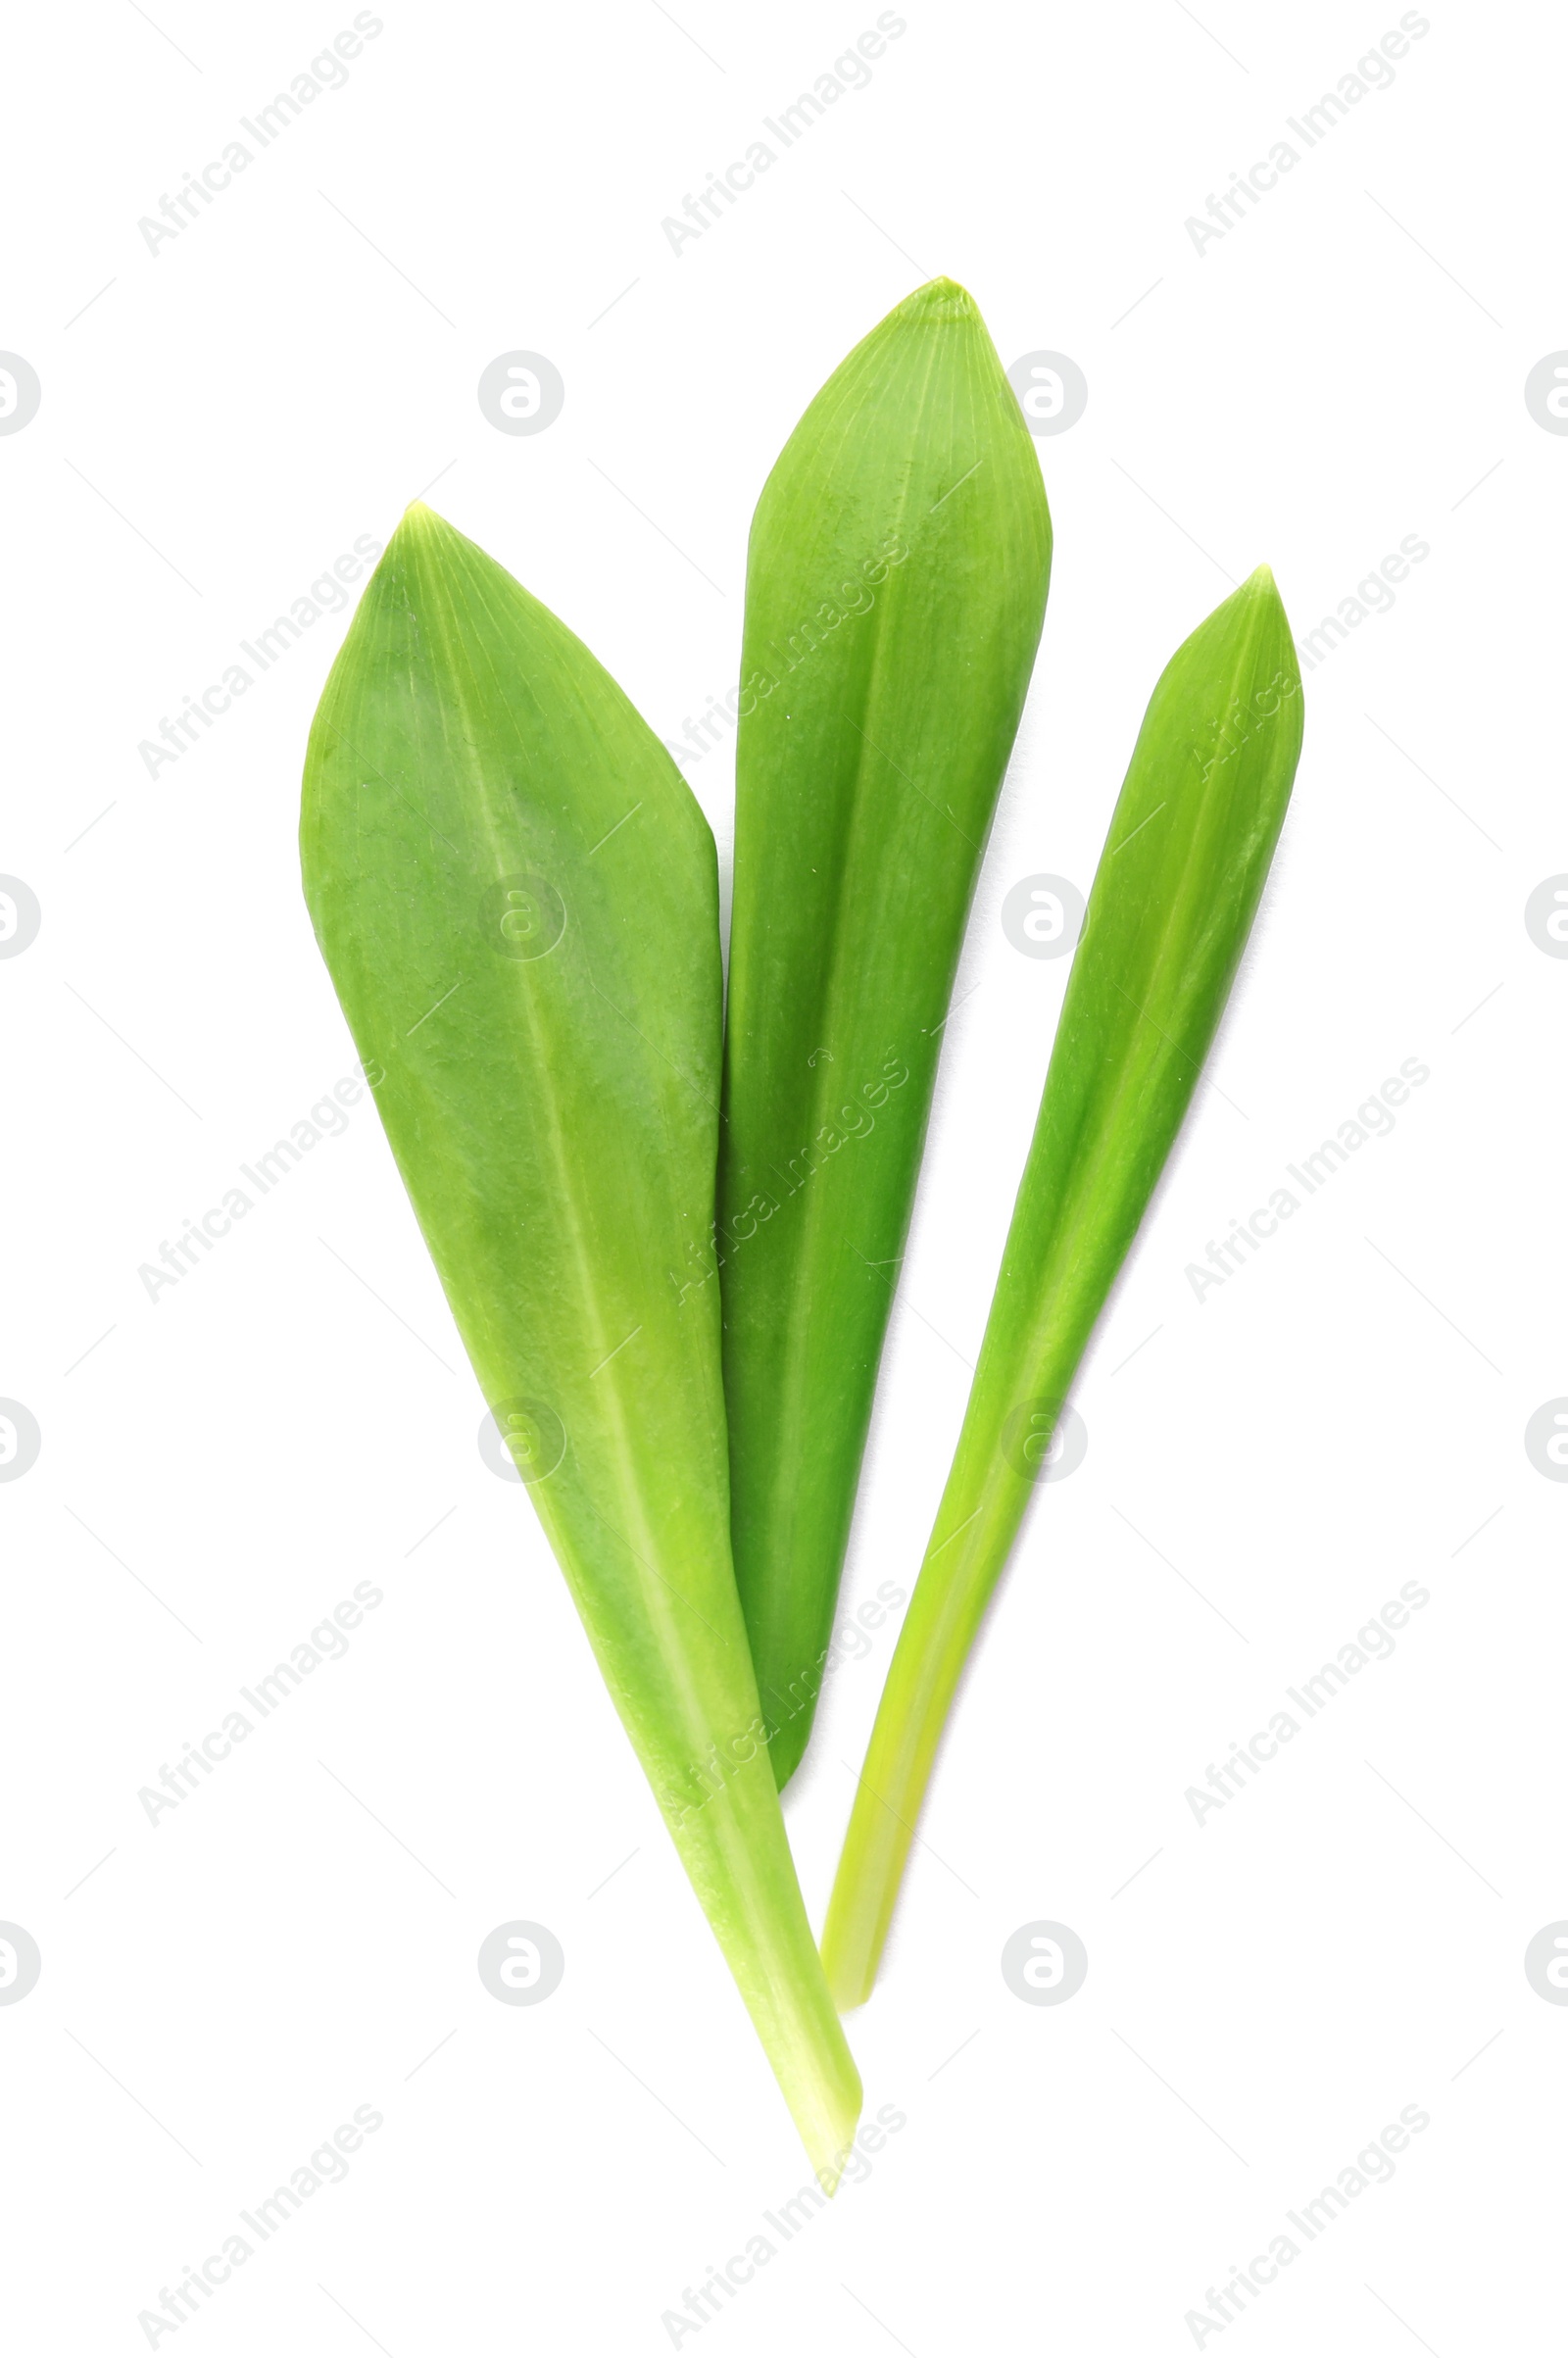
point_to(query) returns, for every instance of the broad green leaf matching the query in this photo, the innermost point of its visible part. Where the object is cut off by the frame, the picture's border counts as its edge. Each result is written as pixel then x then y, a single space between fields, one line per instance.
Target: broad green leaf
pixel 1173 901
pixel 515 896
pixel 895 592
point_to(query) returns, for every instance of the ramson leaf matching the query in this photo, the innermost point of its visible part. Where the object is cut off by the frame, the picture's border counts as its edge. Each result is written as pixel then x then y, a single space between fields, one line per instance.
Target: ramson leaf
pixel 895 592
pixel 1173 901
pixel 515 896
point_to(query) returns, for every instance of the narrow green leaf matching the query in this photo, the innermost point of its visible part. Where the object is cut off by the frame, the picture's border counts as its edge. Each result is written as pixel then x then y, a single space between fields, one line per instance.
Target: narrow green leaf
pixel 895 594
pixel 516 897
pixel 1172 905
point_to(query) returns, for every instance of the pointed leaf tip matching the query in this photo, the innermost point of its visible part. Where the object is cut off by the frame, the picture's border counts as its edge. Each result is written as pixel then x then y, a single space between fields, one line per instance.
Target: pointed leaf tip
pixel 938 300
pixel 1259 591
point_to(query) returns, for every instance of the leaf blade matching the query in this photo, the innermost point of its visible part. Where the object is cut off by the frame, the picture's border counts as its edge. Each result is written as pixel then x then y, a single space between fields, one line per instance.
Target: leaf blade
pixel 516 897
pixel 1174 896
pixel 896 591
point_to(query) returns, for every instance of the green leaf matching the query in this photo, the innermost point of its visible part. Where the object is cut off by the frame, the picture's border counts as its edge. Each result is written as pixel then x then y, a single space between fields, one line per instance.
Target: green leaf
pixel 895 595
pixel 516 897
pixel 1172 905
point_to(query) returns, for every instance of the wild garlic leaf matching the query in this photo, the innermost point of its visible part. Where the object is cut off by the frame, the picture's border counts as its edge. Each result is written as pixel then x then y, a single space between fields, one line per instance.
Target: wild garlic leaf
pixel 1173 901
pixel 516 897
pixel 896 588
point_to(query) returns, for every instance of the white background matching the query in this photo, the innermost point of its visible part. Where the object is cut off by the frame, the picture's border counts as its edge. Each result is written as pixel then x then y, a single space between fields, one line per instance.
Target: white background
pixel 219 1468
